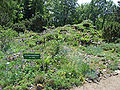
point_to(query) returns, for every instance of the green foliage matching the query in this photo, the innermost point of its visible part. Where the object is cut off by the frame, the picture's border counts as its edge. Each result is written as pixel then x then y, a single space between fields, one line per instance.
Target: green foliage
pixel 67 76
pixel 91 75
pixel 113 66
pixel 93 50
pixel 31 7
pixel 87 22
pixel 62 11
pixel 96 12
pixel 52 47
pixel 63 60
pixel 51 36
pixel 7 12
pixel 116 13
pixel 9 88
pixel 35 23
pixel 111 31
pixel 19 27
pixel 108 46
pixel 5 37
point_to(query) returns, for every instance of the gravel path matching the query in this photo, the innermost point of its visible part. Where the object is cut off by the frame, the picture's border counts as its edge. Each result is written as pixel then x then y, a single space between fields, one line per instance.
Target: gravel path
pixel 111 83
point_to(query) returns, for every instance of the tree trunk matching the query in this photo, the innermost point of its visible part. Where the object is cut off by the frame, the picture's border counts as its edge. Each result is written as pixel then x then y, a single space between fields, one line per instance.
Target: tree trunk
pixel 103 21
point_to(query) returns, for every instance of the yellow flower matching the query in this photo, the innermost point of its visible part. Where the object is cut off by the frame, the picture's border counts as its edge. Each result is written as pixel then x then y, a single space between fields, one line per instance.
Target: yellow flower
pixel 61 77
pixel 62 73
pixel 40 85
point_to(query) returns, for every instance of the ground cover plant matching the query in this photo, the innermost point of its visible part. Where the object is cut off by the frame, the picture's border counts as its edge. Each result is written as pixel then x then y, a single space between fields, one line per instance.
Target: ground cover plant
pixel 70 57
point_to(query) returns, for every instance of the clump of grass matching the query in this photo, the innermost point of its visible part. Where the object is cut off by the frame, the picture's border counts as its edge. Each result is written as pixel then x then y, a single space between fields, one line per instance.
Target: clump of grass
pixel 93 50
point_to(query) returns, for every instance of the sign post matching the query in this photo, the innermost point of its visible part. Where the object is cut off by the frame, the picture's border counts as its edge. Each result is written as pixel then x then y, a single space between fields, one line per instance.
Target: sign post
pixel 43 55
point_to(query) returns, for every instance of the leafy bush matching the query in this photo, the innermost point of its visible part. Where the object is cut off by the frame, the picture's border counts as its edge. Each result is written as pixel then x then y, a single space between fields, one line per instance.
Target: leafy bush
pixel 107 46
pixel 5 37
pixel 87 23
pixel 52 47
pixel 51 36
pixel 111 31
pixel 19 27
pixel 93 50
pixel 35 24
pixel 67 76
pixel 5 19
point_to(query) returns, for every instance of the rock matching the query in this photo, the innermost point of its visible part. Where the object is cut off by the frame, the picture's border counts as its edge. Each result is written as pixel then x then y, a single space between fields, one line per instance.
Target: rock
pixel 104 70
pixel 88 80
pixel 98 73
pixel 95 81
pixel 119 66
pixel 98 79
pixel 115 73
pixel 107 75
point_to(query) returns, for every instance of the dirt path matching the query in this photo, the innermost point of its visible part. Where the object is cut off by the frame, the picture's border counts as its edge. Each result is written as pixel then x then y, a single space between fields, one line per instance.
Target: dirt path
pixel 111 83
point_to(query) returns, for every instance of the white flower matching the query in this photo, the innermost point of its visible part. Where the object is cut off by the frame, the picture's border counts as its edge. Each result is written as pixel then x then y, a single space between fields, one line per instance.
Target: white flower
pixel 8 63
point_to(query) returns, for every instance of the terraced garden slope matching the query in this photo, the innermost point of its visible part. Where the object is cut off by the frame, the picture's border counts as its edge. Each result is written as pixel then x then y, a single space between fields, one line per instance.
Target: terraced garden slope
pixel 69 56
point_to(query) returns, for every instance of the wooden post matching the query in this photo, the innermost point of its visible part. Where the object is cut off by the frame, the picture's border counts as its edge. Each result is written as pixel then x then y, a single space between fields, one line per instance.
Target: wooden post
pixel 43 56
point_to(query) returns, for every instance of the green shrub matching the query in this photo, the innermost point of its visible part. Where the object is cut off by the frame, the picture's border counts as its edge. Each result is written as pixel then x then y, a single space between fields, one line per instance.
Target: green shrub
pixel 113 66
pixel 6 37
pixel 87 23
pixel 117 40
pixel 52 47
pixel 111 31
pixel 106 46
pixel 9 88
pixel 22 87
pixel 93 50
pixel 51 36
pixel 67 76
pixel 19 27
pixel 37 23
pixel 27 23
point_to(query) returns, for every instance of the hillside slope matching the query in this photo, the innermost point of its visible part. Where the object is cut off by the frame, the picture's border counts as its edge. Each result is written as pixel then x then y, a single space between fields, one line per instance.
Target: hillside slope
pixel 69 56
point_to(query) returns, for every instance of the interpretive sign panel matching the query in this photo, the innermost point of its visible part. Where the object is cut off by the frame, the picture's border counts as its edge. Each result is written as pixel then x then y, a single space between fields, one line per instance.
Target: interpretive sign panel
pixel 31 56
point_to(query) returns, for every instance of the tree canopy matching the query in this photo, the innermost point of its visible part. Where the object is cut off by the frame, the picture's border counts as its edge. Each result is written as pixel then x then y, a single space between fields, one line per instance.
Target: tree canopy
pixel 59 12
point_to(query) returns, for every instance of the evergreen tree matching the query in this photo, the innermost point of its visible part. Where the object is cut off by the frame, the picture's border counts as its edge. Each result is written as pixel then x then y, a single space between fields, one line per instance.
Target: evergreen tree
pixel 31 7
pixel 63 11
